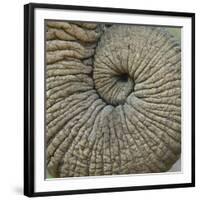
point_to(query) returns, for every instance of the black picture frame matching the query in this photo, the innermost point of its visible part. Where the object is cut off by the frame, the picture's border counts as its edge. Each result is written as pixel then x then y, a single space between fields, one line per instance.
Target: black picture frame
pixel 29 96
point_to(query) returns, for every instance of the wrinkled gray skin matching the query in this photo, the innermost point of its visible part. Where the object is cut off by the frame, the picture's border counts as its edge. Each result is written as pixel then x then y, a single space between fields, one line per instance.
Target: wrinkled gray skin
pixel 113 99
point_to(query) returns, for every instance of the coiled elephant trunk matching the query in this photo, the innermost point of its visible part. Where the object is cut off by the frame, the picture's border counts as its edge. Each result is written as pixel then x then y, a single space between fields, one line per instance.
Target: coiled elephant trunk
pixel 113 99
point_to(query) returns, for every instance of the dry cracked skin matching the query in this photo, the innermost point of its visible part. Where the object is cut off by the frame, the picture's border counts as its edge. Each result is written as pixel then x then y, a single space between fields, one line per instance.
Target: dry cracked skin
pixel 113 99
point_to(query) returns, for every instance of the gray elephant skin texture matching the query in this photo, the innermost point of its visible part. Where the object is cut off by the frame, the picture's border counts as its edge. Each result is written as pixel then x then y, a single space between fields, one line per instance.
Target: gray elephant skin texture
pixel 113 99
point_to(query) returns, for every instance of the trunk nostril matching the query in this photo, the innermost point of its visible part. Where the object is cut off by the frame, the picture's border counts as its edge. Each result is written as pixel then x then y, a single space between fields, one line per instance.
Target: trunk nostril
pixel 123 78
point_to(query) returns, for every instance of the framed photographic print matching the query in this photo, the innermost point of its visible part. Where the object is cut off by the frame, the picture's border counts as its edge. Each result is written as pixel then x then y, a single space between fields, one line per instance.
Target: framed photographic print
pixel 108 99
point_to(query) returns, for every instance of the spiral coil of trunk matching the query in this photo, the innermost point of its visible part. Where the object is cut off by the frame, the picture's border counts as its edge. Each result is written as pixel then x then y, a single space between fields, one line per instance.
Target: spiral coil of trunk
pixel 113 99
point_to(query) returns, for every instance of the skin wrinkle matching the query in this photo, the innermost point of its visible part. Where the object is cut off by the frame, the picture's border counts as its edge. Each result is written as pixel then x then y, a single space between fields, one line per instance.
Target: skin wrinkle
pixel 69 98
pixel 158 119
pixel 126 125
pixel 101 107
pixel 73 114
pixel 92 158
pixel 153 61
pixel 139 146
pixel 144 135
pixel 159 83
pixel 59 116
pixel 113 132
pixel 155 58
pixel 142 50
pixel 80 112
pixel 120 134
pixel 106 65
pixel 113 99
pixel 142 138
pixel 55 147
pixel 121 115
pixel 166 140
pixel 157 137
pixel 69 90
pixel 94 142
pixel 169 101
pixel 54 33
pixel 157 73
pixel 73 130
pixel 136 56
pixel 57 55
pixel 153 91
pixel 107 146
pixel 53 92
pixel 72 78
pixel 170 93
pixel 67 65
pixel 71 106
pixel 158 160
pixel 55 159
pixel 78 139
pixel 114 149
pixel 161 67
pixel 54 132
pixel 157 126
pixel 81 78
pixel 98 153
pixel 63 72
pixel 149 132
pixel 163 109
pixel 75 31
pixel 55 45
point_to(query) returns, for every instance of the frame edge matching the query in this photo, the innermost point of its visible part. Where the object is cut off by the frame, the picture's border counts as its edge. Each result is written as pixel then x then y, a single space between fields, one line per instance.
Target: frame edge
pixel 28 101
pixel 193 98
pixel 111 9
